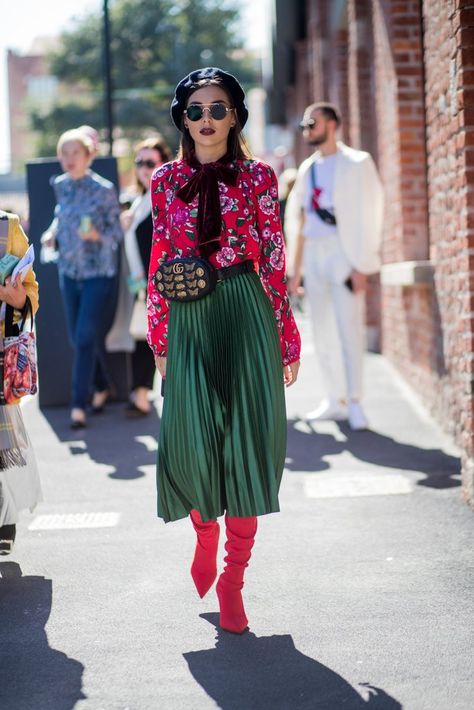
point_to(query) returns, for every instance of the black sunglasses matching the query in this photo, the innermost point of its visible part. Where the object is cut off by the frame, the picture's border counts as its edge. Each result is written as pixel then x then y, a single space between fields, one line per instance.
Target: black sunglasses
pixel 310 123
pixel 217 111
pixel 145 163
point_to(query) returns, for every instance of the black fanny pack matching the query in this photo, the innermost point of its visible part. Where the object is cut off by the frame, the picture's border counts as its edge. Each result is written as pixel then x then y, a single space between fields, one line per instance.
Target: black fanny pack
pixel 324 214
pixel 192 277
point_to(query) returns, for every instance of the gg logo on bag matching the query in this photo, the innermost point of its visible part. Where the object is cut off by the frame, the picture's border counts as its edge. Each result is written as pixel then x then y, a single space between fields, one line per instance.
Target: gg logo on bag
pixel 185 279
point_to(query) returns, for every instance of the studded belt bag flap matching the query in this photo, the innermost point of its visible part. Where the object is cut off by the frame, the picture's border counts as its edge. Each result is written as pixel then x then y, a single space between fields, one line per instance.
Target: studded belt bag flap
pixel 185 279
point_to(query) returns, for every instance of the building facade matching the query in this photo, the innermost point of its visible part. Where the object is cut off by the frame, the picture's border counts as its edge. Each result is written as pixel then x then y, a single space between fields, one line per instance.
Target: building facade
pixel 402 73
pixel 29 86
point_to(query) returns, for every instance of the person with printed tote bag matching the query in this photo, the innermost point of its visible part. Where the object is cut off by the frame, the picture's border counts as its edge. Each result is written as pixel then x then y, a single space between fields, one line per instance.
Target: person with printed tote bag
pixel 20 486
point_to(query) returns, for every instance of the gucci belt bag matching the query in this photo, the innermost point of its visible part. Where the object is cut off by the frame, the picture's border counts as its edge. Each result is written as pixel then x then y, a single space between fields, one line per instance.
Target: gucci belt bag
pixel 185 279
pixel 192 278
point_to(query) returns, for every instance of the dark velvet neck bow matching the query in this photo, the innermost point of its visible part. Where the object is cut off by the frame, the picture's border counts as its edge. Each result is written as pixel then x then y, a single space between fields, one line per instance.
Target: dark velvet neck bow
pixel 205 183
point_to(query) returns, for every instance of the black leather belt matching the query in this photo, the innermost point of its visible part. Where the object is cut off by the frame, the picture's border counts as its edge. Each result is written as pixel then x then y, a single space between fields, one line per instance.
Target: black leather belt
pixel 228 272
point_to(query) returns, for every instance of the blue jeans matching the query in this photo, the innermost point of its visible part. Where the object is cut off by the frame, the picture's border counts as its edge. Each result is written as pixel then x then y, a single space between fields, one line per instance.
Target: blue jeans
pixel 87 304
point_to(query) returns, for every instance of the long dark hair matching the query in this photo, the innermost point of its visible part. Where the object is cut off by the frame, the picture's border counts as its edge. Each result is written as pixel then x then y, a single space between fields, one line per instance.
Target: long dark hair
pixel 237 148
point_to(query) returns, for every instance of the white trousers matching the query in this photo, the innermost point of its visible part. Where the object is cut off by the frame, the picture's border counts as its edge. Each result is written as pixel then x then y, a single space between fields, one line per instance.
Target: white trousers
pixel 337 316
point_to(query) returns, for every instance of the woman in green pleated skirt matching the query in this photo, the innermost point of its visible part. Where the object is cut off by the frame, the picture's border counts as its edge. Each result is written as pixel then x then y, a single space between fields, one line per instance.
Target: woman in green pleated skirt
pixel 225 357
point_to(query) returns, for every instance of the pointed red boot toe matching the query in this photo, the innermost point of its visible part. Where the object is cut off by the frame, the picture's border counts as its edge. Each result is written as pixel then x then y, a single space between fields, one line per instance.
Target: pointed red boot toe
pixel 204 566
pixel 203 579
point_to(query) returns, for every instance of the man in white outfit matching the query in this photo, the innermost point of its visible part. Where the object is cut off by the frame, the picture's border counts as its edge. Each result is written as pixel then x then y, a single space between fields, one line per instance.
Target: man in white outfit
pixel 337 201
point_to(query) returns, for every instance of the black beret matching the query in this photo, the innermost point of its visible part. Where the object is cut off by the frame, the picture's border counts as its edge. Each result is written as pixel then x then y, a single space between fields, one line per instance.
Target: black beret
pixel 227 80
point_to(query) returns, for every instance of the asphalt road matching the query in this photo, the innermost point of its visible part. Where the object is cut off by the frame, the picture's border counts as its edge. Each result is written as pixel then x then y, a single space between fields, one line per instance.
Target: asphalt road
pixel 359 593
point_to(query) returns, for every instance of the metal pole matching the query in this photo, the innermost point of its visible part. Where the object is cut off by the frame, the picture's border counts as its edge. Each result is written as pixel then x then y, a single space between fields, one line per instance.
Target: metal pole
pixel 109 119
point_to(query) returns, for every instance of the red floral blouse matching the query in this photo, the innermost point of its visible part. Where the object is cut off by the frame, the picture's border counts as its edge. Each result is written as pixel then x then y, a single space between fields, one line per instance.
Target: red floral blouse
pixel 251 230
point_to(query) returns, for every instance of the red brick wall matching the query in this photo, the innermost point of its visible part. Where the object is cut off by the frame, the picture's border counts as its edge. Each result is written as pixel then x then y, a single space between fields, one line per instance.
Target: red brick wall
pixel 400 127
pixel 423 129
pixel 449 59
pixel 361 120
pixel 409 314
pixel 312 70
pixel 362 132
pixel 338 89
pixel 406 321
pixel 22 141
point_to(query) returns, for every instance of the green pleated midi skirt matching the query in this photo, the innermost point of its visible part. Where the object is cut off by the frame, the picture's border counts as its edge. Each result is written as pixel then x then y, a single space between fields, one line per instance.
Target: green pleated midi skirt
pixel 223 431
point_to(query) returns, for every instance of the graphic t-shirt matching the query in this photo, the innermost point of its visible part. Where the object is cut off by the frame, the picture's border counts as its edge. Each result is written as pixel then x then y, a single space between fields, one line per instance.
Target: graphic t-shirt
pixel 321 174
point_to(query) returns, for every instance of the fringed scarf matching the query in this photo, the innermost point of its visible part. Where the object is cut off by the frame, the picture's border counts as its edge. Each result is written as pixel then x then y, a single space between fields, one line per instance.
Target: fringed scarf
pixel 205 182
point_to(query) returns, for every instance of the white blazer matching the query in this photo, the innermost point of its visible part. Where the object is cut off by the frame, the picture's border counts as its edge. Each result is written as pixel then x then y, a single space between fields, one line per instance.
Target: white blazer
pixel 358 205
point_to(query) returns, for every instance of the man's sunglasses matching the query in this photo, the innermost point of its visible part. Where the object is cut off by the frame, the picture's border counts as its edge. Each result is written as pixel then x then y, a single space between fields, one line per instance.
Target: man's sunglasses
pixel 217 111
pixel 145 163
pixel 310 123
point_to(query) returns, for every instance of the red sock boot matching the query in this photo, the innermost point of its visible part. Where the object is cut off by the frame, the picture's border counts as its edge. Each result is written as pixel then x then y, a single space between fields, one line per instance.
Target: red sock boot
pixel 204 567
pixel 240 540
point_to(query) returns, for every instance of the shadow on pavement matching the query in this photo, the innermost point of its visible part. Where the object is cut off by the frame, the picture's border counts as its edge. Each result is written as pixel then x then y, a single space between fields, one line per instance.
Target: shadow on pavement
pixel 306 449
pixel 33 675
pixel 110 438
pixel 269 673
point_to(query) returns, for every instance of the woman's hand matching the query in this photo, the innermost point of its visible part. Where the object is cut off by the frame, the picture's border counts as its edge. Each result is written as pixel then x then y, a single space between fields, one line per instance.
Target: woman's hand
pixel 13 293
pixel 290 373
pixel 294 285
pixel 359 281
pixel 160 363
pixel 48 238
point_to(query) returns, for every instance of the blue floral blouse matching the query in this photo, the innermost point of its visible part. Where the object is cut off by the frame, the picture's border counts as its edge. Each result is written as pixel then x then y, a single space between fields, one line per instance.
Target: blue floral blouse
pixel 96 198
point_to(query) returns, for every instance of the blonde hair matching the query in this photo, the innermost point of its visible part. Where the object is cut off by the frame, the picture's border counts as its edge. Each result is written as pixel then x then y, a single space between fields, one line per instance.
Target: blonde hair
pixel 79 137
pixel 92 134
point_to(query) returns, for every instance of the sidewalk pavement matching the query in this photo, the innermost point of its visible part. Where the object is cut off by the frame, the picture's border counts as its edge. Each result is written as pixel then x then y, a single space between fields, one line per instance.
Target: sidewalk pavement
pixel 359 593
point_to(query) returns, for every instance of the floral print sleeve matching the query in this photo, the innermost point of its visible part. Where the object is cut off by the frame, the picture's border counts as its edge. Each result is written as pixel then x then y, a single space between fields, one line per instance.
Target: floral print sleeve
pixel 157 306
pixel 271 260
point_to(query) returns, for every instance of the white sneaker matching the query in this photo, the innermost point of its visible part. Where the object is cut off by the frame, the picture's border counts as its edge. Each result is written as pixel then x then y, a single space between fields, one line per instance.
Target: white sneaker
pixel 328 409
pixel 356 416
